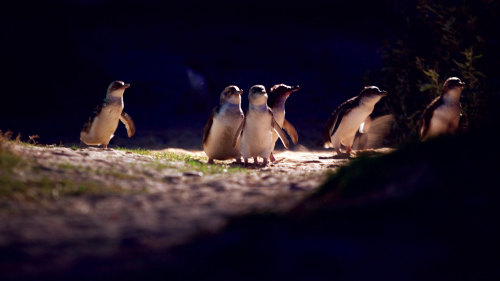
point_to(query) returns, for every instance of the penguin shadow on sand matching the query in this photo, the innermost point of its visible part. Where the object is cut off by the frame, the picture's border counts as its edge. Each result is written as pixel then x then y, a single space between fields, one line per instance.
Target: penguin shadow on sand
pixel 338 156
pixel 255 165
pixel 239 164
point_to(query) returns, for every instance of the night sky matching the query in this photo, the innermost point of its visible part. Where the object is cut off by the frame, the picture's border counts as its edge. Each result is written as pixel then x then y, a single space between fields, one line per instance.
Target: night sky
pixel 59 57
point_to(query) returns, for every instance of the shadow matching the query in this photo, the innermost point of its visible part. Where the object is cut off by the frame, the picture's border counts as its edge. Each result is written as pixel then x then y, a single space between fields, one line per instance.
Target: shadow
pixel 337 156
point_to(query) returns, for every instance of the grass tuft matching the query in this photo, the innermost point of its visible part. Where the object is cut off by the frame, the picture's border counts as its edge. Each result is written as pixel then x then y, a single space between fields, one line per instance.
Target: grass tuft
pixel 139 150
pixel 189 162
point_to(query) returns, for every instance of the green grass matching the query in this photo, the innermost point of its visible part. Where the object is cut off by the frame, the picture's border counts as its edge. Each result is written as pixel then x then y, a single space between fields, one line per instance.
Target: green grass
pixel 68 166
pixel 191 162
pixel 213 168
pixel 8 161
pixel 45 184
pixel 195 165
pixel 45 188
pixel 139 150
pixel 42 187
pixel 199 164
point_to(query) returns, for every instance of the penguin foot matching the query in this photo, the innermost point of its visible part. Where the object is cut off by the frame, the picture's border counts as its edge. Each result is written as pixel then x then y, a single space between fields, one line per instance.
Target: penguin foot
pixel 105 146
pixel 210 161
pixel 264 163
pixel 246 161
pixel 255 160
pixel 348 150
pixel 271 157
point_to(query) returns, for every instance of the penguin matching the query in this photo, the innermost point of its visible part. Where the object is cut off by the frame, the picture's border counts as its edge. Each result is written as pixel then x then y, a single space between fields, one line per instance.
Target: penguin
pixel 103 122
pixel 350 117
pixel 277 97
pixel 442 115
pixel 221 127
pixel 256 129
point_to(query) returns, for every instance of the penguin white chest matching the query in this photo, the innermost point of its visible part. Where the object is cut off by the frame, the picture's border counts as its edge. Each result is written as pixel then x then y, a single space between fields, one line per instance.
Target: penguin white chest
pixel 348 126
pixel 257 137
pixel 351 122
pixel 445 119
pixel 104 125
pixel 219 143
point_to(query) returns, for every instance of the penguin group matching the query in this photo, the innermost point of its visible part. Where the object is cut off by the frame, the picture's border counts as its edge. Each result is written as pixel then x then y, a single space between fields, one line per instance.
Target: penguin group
pixel 231 134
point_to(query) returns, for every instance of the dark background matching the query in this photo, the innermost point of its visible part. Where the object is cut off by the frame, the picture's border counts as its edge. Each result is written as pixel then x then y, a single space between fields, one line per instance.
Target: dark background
pixel 59 57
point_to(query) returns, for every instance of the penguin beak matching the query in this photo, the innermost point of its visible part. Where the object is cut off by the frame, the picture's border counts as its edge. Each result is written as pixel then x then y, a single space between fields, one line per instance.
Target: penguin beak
pixel 295 88
pixel 126 86
pixel 383 93
pixel 462 84
pixel 239 92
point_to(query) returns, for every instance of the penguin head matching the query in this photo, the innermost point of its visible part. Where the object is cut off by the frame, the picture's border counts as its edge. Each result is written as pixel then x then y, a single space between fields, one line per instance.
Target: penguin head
pixel 231 94
pixel 280 92
pixel 283 90
pixel 117 88
pixel 257 95
pixel 372 93
pixel 453 83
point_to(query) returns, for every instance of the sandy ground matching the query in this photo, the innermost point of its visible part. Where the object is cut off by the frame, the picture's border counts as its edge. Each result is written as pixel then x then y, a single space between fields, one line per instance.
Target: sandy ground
pixel 138 201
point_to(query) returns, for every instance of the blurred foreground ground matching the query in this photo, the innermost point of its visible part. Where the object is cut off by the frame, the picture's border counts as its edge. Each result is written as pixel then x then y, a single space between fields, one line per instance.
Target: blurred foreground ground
pixel 62 205
pixel 426 211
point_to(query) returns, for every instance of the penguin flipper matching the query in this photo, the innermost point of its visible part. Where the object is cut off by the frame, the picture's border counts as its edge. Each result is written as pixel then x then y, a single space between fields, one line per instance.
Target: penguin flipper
pixel 239 131
pixel 208 126
pixel 425 120
pixel 280 133
pixel 290 129
pixel 129 123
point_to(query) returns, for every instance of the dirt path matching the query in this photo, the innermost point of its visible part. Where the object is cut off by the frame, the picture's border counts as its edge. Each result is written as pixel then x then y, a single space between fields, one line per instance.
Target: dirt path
pixel 89 202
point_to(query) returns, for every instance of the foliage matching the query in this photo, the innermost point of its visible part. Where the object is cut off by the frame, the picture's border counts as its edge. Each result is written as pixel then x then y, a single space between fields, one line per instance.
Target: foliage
pixel 439 163
pixel 442 39
pixel 8 160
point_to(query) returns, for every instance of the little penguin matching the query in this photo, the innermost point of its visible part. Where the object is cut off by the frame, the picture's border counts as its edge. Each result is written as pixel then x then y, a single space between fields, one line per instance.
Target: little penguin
pixel 442 115
pixel 224 120
pixel 277 98
pixel 350 117
pixel 257 128
pixel 103 122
